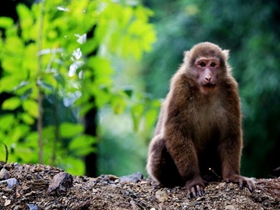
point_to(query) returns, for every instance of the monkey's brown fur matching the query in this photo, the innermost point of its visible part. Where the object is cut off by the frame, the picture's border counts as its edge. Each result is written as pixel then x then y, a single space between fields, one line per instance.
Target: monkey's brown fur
pixel 199 126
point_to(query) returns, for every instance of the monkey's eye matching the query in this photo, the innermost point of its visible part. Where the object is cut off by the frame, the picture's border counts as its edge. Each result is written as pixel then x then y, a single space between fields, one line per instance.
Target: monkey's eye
pixel 202 64
pixel 213 64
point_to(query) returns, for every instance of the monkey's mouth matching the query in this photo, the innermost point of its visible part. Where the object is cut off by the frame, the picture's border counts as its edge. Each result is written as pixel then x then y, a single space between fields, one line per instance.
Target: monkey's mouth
pixel 209 85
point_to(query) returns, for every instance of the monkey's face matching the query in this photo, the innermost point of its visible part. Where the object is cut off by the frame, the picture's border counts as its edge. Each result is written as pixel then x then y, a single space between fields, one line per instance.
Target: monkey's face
pixel 207 72
pixel 206 63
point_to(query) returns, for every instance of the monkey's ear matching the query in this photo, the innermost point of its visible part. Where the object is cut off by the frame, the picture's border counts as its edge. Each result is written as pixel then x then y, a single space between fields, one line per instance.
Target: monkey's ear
pixel 226 53
pixel 186 55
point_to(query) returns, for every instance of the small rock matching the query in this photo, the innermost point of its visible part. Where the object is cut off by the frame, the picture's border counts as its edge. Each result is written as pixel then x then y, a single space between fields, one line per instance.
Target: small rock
pixel 161 195
pixel 112 177
pixel 4 174
pixel 7 203
pixel 135 177
pixel 230 207
pixel 197 204
pixel 60 183
pixel 32 207
pixel 200 198
pixel 11 182
pixel 17 207
pixel 94 190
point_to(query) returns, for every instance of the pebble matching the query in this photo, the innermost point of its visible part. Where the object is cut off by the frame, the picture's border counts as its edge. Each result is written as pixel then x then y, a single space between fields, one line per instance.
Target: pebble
pixel 4 174
pixel 32 207
pixel 135 177
pixel 7 203
pixel 161 195
pixel 11 182
pixel 230 207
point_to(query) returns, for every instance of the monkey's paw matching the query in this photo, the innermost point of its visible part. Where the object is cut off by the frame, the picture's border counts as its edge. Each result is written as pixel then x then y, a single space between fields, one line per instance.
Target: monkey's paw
pixel 195 187
pixel 242 181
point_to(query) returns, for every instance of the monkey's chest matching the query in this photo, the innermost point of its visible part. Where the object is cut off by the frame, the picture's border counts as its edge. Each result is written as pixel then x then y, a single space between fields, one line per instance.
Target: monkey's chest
pixel 207 124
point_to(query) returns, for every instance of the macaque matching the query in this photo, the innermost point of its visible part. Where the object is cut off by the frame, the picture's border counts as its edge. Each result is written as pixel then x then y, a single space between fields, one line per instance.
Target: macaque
pixel 199 132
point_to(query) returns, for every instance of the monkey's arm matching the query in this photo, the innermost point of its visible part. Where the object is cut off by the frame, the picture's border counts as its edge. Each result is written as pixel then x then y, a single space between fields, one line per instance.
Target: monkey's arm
pixel 230 146
pixel 183 152
pixel 177 133
pixel 158 129
pixel 230 153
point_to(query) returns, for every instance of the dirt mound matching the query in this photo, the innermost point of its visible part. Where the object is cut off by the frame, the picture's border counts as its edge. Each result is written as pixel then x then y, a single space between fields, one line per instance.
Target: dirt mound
pixel 37 186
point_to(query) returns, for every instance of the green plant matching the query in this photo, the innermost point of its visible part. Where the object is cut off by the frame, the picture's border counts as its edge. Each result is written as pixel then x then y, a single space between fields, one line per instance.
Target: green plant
pixel 48 57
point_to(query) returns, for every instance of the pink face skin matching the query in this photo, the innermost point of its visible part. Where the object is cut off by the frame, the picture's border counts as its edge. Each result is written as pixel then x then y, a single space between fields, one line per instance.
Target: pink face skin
pixel 207 72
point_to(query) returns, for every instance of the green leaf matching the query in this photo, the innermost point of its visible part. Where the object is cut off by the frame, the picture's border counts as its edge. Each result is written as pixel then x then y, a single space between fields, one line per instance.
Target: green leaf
pixel 45 86
pixel 25 95
pixel 11 103
pixel 89 46
pixel 11 64
pixel 31 107
pixel 82 145
pixel 7 121
pixel 85 108
pixel 151 117
pixel 19 131
pixel 8 83
pixel 136 112
pixel 26 118
pixel 102 67
pixel 15 46
pixel 119 104
pixel 74 165
pixel 49 132
pixel 125 16
pixel 26 20
pixel 24 153
pixel 128 91
pixel 6 22
pixel 60 79
pixel 68 130
pixel 31 139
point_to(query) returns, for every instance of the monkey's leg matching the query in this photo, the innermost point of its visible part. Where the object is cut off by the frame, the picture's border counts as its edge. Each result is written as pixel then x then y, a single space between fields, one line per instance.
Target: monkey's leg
pixel 230 154
pixel 161 166
pixel 183 151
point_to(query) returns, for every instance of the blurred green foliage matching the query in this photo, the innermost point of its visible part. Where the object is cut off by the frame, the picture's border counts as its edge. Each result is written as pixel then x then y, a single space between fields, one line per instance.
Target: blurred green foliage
pixel 250 29
pixel 48 52
pixel 123 74
pixel 123 148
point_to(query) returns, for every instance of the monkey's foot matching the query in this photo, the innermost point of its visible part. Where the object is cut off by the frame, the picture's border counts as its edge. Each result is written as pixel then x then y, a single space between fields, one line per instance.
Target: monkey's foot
pixel 242 181
pixel 195 187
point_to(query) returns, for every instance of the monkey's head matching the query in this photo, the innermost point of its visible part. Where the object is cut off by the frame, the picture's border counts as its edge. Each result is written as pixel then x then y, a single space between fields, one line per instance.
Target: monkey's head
pixel 207 64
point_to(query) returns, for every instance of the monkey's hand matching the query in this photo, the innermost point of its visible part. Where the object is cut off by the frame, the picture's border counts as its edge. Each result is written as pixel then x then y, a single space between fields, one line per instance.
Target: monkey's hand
pixel 195 187
pixel 241 181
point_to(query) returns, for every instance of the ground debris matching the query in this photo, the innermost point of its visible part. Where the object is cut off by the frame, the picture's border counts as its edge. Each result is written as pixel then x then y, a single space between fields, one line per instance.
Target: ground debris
pixel 135 177
pixel 60 184
pixel 107 192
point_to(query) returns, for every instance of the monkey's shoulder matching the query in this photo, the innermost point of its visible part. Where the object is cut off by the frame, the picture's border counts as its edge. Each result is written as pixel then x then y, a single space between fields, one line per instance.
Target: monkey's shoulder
pixel 183 84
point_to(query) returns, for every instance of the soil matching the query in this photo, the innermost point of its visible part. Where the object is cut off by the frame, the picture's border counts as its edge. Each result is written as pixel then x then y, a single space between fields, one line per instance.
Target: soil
pixel 34 187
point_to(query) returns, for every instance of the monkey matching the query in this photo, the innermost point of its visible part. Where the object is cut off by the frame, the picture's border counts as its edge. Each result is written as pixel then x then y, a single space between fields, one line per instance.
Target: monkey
pixel 199 126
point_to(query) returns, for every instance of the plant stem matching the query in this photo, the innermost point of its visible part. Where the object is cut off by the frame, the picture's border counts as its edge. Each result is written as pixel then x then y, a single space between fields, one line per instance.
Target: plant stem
pixel 40 95
pixel 56 128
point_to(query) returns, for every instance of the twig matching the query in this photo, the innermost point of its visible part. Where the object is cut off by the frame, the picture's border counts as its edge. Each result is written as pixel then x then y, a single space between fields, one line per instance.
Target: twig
pixel 7 153
pixel 56 128
pixel 214 173
pixel 40 121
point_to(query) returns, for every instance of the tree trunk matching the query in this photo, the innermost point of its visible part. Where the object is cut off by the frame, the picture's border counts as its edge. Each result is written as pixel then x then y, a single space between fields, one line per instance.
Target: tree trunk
pixel 90 129
pixel 90 120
